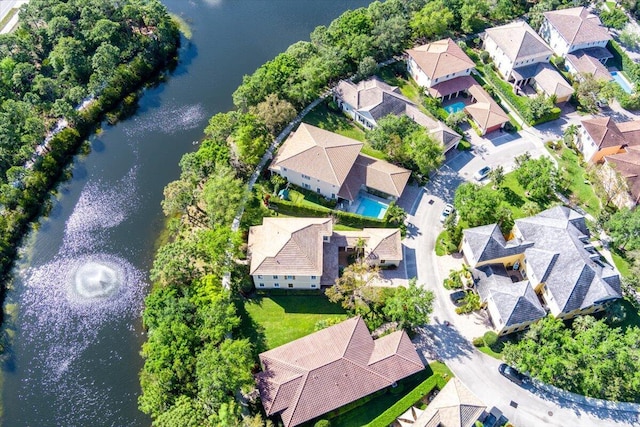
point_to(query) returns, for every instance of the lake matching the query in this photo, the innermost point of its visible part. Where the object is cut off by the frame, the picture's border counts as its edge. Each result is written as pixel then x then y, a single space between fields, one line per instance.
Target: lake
pixel 74 307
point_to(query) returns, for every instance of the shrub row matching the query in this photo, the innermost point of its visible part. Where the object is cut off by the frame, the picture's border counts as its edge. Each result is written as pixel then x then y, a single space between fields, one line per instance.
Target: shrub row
pixel 286 207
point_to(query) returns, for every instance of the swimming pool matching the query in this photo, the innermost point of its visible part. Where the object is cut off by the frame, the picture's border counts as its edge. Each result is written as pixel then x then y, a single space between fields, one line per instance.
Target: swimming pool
pixel 622 81
pixel 454 108
pixel 371 207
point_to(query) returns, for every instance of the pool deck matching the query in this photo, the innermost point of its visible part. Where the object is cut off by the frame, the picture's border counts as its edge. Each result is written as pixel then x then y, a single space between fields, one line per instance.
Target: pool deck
pixel 353 208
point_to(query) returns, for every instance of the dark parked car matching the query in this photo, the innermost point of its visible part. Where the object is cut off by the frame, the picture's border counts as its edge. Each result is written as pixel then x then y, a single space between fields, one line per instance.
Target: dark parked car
pixel 512 374
pixel 457 297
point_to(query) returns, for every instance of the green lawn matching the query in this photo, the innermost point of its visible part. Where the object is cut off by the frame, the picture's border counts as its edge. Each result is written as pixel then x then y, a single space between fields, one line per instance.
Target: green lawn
pixel 338 123
pixel 280 319
pixel 444 245
pixel 569 163
pixel 384 409
pixel 407 86
pixel 621 263
pixel 488 351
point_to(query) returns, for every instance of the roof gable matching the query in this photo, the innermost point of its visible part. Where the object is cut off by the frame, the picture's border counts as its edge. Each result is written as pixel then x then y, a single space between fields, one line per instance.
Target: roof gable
pixel 518 41
pixel 604 132
pixel 318 153
pixel 331 368
pixel 440 58
pixel 577 26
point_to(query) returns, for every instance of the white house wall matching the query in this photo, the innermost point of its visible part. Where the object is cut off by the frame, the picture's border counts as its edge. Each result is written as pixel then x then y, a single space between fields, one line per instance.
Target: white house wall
pixel 326 189
pixel 423 80
pixel 558 44
pixel 286 282
pixel 587 145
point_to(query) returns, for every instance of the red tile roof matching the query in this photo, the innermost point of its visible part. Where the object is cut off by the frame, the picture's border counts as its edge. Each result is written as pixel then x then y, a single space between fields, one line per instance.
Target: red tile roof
pixel 323 371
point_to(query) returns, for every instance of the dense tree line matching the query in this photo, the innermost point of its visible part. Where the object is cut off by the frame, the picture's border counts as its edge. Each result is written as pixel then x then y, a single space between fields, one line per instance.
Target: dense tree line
pixel 591 357
pixel 62 53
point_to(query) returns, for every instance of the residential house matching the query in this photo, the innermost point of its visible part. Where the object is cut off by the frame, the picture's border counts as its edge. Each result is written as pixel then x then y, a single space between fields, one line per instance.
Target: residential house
pixel 453 406
pixel 522 57
pixel 511 301
pixel 617 147
pixel 602 136
pixel 332 165
pixel 552 252
pixel 308 377
pixel 515 48
pixel 578 36
pixel 444 70
pixel 303 253
pixel 432 64
pixel 370 100
pixel 620 174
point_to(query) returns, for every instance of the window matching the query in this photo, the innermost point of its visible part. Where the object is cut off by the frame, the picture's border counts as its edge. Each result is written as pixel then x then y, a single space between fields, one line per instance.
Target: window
pixel 290 285
pixel 333 195
pixel 305 185
pixel 259 276
pixel 276 285
pixel 317 189
pixel 305 176
pixel 325 238
pixel 261 285
pixel 284 169
pixel 313 286
pixel 313 277
pixel 382 261
pixel 290 277
pixel 275 277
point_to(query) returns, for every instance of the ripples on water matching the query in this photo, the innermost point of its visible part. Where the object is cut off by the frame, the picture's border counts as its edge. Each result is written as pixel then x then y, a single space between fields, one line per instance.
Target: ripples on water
pixel 169 119
pixel 68 303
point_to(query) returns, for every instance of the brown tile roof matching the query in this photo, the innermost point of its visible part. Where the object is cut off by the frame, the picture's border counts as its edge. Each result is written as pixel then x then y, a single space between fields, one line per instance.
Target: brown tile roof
pixel 485 111
pixel 627 164
pixel 518 41
pixel 604 132
pixel 381 243
pixel 454 406
pixel 631 132
pixel 318 153
pixel 288 246
pixel 376 174
pixel 323 371
pixel 451 86
pixel 440 58
pixel 577 26
pixel 583 62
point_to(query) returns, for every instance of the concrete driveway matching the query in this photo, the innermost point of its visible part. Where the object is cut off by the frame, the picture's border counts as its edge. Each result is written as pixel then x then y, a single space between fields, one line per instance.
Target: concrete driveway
pixel 523 406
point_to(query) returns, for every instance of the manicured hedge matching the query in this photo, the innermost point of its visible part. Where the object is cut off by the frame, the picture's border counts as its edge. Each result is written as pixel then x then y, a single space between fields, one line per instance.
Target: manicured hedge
pixel 390 415
pixel 286 207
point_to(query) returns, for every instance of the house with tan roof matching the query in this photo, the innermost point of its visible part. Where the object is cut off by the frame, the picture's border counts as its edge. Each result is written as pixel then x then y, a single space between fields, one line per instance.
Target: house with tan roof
pixel 306 378
pixel 370 100
pixel 514 48
pixel 433 64
pixel 578 36
pixel 522 57
pixel 332 165
pixel 550 253
pixel 568 30
pixel 303 253
pixel 484 111
pixel 453 406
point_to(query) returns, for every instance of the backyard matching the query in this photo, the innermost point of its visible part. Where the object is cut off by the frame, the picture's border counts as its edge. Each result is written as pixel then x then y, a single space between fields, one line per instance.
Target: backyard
pixel 274 320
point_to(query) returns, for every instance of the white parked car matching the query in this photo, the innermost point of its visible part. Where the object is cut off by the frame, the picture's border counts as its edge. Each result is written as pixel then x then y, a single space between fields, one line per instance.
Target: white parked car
pixel 448 210
pixel 482 173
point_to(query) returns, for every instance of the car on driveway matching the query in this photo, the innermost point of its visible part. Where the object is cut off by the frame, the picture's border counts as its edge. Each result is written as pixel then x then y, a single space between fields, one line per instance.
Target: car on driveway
pixel 448 210
pixel 512 374
pixel 482 173
pixel 457 297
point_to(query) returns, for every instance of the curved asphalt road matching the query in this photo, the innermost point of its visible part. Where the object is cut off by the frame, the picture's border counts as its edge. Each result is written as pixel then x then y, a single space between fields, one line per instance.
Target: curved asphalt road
pixel 524 406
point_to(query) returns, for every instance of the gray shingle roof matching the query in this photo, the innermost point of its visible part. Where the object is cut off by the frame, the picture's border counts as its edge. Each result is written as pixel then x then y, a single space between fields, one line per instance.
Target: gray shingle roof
pixel 518 41
pixel 517 303
pixel 487 243
pixel 557 251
